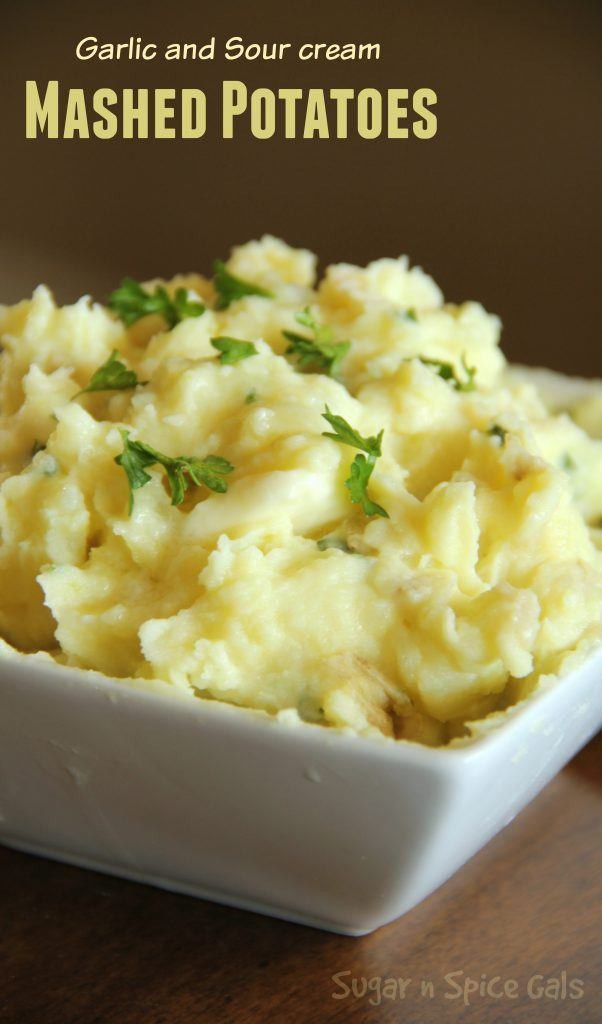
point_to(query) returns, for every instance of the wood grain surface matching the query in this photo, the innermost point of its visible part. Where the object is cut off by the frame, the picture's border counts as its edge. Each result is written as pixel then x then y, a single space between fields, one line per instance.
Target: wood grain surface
pixel 82 948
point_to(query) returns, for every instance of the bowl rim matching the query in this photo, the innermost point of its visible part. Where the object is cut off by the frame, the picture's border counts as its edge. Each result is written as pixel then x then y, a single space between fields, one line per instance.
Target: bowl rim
pixel 251 720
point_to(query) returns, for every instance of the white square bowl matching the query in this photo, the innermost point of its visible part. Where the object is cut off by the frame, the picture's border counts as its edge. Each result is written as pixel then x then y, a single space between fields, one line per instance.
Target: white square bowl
pixel 335 831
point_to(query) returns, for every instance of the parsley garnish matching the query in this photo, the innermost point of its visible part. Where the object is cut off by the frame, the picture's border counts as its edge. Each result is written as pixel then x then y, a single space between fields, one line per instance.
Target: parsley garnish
pixel 112 376
pixel 334 542
pixel 568 463
pixel 447 372
pixel 497 431
pixel 322 355
pixel 346 434
pixel 232 350
pixel 182 471
pixel 229 288
pixel 131 302
pixel 471 372
pixel 251 396
pixel 362 465
pixel 410 314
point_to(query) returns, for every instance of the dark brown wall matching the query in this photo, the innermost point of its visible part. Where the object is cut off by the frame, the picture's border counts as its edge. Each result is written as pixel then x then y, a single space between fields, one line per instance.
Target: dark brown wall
pixel 502 206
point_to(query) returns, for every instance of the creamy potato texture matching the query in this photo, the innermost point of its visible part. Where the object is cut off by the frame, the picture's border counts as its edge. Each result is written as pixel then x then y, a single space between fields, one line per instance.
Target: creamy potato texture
pixel 485 577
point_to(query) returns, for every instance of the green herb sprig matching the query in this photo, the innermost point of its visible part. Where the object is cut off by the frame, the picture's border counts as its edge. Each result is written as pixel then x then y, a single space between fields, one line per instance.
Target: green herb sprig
pixel 362 466
pixel 232 350
pixel 497 431
pixel 447 372
pixel 230 288
pixel 339 543
pixel 182 472
pixel 112 376
pixel 131 302
pixel 320 354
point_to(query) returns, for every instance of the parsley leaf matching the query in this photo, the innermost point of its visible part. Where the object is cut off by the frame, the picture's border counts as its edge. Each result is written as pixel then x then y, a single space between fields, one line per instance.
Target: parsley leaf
pixel 320 355
pixel 229 288
pixel 325 543
pixel 209 471
pixel 497 431
pixel 131 302
pixel 185 308
pixel 447 372
pixel 471 372
pixel 251 396
pixel 357 484
pixel 182 471
pixel 134 459
pixel 112 376
pixel 362 465
pixel 346 434
pixel 232 350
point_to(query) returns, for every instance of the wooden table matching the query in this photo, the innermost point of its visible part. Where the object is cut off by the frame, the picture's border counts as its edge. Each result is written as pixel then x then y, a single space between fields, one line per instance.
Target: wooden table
pixel 82 948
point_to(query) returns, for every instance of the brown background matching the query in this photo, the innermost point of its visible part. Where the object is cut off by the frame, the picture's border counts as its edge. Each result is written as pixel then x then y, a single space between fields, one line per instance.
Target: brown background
pixel 502 206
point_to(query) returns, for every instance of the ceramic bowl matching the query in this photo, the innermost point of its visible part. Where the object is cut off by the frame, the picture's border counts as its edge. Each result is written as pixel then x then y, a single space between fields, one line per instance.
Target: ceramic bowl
pixel 336 831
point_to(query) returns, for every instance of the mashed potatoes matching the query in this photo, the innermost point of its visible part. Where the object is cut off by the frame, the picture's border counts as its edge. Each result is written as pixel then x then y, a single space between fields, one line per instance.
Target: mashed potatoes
pixel 280 593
